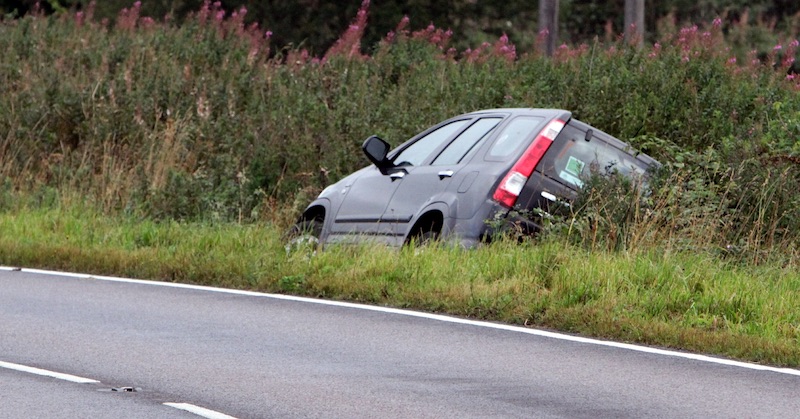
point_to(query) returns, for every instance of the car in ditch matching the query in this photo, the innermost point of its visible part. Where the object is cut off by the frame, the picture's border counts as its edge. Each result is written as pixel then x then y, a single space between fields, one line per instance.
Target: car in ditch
pixel 465 178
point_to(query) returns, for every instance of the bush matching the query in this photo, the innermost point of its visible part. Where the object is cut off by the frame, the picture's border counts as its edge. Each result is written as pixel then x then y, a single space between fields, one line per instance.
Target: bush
pixel 209 120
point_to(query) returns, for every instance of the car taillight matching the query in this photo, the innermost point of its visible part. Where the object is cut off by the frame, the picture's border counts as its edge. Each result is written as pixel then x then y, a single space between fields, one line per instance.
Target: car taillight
pixel 511 186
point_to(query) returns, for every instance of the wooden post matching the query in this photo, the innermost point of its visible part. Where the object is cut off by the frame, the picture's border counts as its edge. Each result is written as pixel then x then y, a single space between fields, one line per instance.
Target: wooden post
pixel 548 24
pixel 634 21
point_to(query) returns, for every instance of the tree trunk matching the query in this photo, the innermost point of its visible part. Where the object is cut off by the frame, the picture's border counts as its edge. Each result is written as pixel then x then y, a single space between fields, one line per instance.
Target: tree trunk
pixel 634 21
pixel 548 24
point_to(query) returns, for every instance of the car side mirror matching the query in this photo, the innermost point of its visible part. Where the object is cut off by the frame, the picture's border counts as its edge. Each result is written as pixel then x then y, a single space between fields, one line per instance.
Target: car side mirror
pixel 376 150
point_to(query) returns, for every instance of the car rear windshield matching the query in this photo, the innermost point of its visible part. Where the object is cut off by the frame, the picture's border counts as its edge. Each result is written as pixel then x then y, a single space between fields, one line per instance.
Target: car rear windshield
pixel 519 130
pixel 572 159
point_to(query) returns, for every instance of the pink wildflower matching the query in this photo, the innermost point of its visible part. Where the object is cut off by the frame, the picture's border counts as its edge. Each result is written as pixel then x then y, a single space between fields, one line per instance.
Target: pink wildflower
pixel 656 50
pixel 147 22
pixel 401 27
pixel 202 15
pixel 349 44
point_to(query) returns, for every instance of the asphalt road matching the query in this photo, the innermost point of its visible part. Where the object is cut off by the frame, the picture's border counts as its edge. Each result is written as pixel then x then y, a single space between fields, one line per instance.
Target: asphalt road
pixel 254 355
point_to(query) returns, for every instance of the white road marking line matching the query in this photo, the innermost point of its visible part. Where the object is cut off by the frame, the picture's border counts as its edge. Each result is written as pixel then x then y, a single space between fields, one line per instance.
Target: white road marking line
pixel 199 411
pixel 430 316
pixel 46 373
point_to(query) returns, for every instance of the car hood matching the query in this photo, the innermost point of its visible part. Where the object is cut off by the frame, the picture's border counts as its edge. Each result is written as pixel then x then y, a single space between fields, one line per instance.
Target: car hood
pixel 345 182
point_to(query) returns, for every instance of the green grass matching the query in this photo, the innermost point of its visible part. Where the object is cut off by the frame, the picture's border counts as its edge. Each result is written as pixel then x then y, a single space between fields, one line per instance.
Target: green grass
pixel 690 301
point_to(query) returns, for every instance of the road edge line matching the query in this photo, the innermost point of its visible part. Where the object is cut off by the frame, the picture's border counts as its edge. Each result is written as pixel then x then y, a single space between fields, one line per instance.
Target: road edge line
pixel 430 316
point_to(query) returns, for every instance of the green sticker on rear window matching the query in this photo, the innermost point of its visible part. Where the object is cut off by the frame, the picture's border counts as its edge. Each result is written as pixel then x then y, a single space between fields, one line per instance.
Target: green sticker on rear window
pixel 574 166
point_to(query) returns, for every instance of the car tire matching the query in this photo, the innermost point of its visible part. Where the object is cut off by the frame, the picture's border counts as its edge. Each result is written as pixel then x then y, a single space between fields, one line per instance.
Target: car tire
pixel 424 238
pixel 303 236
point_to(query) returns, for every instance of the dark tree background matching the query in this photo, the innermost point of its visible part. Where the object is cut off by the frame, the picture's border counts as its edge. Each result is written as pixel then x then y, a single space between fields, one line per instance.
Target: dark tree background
pixel 316 24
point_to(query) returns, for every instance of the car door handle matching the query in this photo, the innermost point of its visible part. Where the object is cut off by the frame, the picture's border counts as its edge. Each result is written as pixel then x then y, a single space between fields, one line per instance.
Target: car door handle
pixel 445 173
pixel 397 175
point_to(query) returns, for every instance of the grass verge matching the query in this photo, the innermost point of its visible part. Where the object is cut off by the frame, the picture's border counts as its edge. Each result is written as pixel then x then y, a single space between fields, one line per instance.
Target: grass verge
pixel 685 301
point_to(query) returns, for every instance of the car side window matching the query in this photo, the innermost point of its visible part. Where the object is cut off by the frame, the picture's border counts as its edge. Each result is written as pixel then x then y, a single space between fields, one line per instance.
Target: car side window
pixel 416 153
pixel 466 142
pixel 572 159
pixel 518 131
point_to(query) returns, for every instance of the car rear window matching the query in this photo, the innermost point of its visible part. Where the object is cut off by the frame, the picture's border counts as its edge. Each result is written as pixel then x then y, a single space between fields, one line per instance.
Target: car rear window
pixel 520 130
pixel 571 158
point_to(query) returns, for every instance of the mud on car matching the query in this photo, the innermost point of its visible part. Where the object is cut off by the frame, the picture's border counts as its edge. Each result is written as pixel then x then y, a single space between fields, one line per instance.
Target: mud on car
pixel 447 181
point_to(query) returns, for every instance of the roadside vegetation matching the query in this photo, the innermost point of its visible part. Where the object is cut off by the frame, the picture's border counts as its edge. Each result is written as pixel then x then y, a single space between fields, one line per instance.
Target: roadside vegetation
pixel 181 153
pixel 687 300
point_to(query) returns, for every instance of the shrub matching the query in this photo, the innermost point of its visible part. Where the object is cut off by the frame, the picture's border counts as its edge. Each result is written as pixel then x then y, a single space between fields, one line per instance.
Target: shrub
pixel 209 120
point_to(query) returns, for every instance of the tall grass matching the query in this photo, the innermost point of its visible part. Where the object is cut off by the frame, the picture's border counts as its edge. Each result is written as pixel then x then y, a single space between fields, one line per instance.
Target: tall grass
pixel 209 120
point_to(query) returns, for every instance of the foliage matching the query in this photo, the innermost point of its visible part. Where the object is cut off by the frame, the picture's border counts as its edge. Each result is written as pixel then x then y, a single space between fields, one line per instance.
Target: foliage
pixel 210 120
pixel 315 25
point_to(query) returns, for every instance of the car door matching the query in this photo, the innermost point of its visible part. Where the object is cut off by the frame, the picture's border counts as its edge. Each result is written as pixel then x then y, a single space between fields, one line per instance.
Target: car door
pixel 425 184
pixel 365 202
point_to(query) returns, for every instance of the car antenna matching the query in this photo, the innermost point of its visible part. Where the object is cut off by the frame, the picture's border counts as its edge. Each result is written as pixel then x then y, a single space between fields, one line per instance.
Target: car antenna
pixel 588 135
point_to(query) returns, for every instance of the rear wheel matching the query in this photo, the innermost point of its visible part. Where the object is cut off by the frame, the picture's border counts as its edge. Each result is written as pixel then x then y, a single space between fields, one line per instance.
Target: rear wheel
pixel 423 238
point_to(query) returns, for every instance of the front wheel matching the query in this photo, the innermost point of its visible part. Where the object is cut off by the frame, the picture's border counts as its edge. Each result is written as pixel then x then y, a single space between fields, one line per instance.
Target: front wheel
pixel 303 235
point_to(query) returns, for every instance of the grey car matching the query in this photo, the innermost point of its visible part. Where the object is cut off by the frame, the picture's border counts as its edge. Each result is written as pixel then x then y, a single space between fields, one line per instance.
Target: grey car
pixel 450 180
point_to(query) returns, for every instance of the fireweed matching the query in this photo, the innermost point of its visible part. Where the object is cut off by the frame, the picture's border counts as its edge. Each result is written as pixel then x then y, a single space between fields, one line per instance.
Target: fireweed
pixel 210 121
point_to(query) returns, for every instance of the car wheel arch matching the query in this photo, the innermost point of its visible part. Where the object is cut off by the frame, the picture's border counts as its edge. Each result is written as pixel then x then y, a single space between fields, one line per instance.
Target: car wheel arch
pixel 318 211
pixel 435 218
pixel 314 212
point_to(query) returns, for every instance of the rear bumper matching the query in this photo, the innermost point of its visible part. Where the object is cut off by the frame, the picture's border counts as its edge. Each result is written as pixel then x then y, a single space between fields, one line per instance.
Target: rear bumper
pixel 491 221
